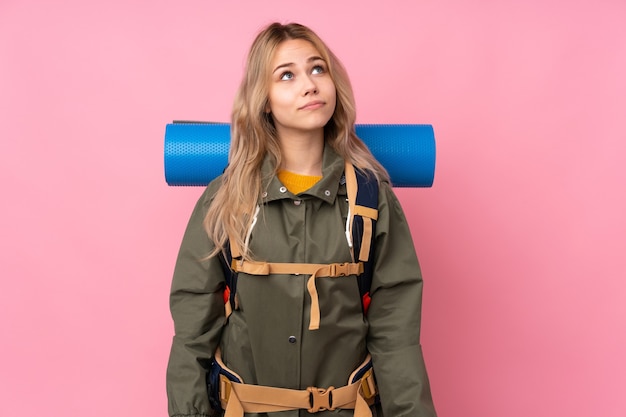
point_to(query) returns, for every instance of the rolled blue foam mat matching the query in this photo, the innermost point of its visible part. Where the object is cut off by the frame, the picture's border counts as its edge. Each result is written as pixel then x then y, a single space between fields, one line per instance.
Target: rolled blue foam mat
pixel 197 152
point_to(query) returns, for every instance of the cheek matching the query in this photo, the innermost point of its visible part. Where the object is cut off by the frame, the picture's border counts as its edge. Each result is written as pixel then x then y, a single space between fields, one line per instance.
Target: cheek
pixel 332 90
pixel 277 100
pixel 333 97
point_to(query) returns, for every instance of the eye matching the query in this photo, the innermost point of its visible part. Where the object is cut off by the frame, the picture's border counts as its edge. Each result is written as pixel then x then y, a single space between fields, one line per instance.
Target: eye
pixel 318 69
pixel 287 75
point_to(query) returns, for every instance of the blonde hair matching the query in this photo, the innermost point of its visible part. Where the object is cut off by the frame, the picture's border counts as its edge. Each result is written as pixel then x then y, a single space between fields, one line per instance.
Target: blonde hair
pixel 254 137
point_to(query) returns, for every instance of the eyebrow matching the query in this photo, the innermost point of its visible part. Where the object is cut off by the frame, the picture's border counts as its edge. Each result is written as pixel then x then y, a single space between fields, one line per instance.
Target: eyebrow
pixel 288 64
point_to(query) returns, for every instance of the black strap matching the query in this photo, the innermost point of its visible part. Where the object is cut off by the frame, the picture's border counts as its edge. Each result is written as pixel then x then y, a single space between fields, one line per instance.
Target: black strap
pixel 367 196
pixel 230 276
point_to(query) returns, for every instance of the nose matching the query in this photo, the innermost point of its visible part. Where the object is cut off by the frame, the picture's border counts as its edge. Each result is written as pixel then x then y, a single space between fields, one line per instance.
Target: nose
pixel 310 87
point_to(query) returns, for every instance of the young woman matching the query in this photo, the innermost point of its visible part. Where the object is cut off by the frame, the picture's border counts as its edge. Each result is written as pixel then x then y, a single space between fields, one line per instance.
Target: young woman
pixel 295 332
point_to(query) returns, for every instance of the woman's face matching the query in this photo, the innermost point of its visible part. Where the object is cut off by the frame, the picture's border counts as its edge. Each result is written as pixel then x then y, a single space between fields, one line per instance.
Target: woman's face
pixel 302 95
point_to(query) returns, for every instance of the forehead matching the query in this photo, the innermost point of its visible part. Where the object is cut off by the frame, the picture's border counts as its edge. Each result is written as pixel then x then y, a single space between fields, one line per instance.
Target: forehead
pixel 294 51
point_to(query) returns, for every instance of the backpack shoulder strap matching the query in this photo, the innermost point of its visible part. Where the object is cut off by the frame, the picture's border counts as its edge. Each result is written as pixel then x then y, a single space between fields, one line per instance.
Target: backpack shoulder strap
pixel 363 213
pixel 232 252
pixel 230 276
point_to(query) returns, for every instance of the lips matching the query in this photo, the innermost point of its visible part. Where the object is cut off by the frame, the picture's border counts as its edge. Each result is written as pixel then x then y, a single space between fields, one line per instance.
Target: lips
pixel 312 105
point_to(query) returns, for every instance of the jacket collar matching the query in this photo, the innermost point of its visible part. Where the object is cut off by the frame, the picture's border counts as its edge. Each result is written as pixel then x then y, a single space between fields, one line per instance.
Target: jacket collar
pixel 325 189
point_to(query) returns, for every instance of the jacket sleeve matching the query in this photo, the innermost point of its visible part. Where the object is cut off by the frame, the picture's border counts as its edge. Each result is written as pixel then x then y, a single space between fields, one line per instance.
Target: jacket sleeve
pixel 394 316
pixel 197 307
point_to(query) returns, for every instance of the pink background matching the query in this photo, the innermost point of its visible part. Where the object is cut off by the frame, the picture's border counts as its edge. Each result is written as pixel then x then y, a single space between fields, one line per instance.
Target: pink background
pixel 521 238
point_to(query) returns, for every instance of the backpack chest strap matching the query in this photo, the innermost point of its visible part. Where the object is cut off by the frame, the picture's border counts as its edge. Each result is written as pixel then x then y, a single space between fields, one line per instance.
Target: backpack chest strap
pixel 333 270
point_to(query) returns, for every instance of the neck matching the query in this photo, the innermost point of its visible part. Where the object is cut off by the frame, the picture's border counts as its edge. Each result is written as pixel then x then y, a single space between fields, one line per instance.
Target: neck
pixel 302 153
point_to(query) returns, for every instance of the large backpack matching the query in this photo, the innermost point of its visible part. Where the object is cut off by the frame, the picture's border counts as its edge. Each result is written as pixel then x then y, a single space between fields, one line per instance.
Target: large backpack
pixel 360 232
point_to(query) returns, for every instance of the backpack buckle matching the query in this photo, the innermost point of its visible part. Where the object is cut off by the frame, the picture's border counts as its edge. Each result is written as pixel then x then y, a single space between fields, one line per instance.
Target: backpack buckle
pixel 338 270
pixel 368 385
pixel 345 269
pixel 225 388
pixel 320 399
